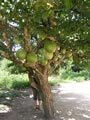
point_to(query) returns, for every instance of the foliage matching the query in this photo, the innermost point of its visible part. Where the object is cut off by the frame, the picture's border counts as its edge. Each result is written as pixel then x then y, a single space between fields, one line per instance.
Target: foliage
pixel 31 22
pixel 18 81
pixel 70 75
pixel 11 81
pixel 28 25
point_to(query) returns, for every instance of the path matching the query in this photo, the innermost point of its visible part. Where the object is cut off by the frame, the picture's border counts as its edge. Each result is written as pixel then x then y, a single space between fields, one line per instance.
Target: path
pixel 72 101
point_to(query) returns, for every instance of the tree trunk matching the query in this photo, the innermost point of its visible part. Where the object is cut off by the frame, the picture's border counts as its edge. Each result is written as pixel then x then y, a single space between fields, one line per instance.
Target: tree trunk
pixel 47 98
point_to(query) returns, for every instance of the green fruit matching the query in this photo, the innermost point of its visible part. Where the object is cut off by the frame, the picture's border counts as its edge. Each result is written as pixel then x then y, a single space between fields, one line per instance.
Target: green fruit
pixel 41 51
pixel 50 46
pixel 63 51
pixel 69 54
pixel 21 54
pixel 48 55
pixel 31 57
pixel 43 62
pixel 16 41
pixel 23 68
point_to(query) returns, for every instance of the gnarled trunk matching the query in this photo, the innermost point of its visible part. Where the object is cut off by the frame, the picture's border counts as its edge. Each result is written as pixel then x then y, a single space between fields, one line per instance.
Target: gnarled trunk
pixel 47 98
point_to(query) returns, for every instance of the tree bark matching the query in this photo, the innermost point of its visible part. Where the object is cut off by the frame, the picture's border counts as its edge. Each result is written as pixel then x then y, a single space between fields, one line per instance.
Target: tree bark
pixel 47 98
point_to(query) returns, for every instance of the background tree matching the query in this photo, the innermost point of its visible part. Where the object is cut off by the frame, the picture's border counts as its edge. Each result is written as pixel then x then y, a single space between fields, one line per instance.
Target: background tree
pixel 41 34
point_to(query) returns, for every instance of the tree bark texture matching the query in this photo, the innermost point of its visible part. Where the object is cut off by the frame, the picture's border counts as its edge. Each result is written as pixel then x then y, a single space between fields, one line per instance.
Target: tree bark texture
pixel 47 98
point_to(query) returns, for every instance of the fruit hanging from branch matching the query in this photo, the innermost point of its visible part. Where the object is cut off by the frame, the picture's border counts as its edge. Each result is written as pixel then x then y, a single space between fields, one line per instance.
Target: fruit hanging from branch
pixel 43 62
pixel 50 46
pixel 68 54
pixel 48 55
pixel 21 54
pixel 16 40
pixel 63 51
pixel 31 57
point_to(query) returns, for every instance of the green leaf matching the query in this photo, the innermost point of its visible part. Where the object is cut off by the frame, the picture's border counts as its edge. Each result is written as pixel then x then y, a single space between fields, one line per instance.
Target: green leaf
pixel 68 4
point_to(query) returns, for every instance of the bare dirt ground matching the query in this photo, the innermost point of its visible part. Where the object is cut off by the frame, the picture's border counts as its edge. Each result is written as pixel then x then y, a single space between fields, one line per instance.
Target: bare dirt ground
pixel 72 102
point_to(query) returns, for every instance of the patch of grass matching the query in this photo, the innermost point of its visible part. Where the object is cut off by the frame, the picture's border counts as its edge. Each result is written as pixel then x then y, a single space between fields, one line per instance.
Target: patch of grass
pixel 69 76
pixel 17 84
pixel 74 76
pixel 11 81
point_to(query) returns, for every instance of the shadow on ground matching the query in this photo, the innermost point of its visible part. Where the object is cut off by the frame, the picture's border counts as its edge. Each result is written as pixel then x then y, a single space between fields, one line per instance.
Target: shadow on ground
pixel 71 103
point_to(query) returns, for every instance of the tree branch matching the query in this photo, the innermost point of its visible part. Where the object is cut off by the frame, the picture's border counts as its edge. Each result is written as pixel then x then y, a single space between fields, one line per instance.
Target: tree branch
pixel 10 57
pixel 27 39
pixel 4 54
pixel 7 41
pixel 56 65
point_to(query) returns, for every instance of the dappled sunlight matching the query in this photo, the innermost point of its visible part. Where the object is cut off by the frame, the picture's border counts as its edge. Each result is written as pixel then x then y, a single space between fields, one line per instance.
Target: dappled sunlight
pixel 55 90
pixel 69 105
pixel 34 116
pixel 74 100
pixel 83 87
pixel 70 98
pixel 86 116
pixel 4 108
pixel 71 119
pixel 31 96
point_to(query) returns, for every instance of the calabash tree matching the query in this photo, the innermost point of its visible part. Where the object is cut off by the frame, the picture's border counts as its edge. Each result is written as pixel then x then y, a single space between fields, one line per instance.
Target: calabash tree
pixel 41 34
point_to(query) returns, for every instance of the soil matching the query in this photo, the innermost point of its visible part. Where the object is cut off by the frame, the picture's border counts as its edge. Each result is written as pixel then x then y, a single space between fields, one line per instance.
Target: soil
pixel 71 100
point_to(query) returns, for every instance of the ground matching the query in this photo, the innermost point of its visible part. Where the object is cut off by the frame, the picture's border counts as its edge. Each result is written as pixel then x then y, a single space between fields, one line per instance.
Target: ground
pixel 72 102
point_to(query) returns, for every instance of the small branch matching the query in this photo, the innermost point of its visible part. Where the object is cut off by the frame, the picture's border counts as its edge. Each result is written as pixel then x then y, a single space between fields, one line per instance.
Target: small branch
pixel 13 59
pixel 27 39
pixel 7 41
pixel 56 65
pixel 4 54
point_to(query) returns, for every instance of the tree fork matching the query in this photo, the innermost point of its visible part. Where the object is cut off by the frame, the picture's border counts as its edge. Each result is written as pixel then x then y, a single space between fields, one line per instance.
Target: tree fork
pixel 45 90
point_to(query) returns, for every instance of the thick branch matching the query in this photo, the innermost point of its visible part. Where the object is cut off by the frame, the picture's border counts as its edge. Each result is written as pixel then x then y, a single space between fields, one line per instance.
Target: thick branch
pixel 27 39
pixel 10 57
pixel 35 67
pixel 56 65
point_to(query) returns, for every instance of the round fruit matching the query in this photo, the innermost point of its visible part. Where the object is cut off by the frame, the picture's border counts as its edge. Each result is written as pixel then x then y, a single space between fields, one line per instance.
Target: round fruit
pixel 63 51
pixel 69 54
pixel 41 51
pixel 21 54
pixel 16 41
pixel 31 57
pixel 23 68
pixel 50 46
pixel 43 62
pixel 48 55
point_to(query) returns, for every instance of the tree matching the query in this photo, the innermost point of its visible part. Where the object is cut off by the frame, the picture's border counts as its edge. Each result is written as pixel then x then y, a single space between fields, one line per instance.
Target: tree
pixel 41 34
